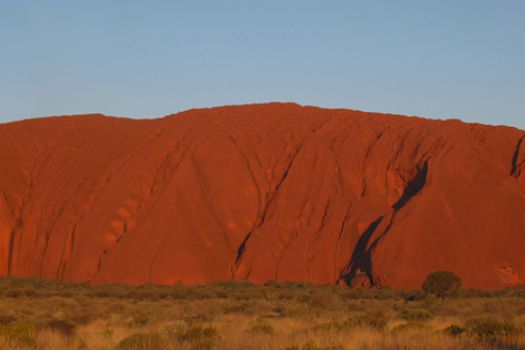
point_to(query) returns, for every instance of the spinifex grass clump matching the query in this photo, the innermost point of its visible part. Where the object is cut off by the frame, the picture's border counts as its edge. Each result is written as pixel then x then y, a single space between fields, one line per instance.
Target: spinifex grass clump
pixel 490 329
pixel 19 335
pixel 141 341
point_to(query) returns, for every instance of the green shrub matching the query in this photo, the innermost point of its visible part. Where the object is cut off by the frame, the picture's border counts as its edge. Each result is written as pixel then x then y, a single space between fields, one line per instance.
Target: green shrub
pixel 142 341
pixel 454 330
pixel 441 283
pixel 28 292
pixel 19 335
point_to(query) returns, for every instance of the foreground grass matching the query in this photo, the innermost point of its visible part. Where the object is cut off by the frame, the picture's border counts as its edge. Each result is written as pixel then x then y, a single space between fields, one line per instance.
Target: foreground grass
pixel 39 314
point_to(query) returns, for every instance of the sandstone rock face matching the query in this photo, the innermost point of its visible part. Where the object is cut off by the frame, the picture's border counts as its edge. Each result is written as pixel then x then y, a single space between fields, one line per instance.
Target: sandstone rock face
pixel 262 192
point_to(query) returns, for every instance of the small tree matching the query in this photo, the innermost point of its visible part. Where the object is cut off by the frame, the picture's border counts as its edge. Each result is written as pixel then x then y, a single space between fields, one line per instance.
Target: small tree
pixel 441 283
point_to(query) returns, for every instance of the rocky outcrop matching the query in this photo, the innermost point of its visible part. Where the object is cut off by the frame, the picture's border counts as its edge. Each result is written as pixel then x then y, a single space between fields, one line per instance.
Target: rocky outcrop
pixel 262 192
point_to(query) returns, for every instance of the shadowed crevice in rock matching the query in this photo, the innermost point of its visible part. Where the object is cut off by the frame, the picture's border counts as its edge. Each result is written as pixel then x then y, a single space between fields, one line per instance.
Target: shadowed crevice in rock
pixel 516 165
pixel 413 187
pixel 242 247
pixel 361 259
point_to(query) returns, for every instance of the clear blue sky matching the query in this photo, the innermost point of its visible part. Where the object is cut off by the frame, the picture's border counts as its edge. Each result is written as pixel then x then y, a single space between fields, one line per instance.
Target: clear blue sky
pixel 435 58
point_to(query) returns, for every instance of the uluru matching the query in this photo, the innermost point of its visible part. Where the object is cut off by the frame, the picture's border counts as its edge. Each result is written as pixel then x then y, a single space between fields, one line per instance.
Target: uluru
pixel 262 192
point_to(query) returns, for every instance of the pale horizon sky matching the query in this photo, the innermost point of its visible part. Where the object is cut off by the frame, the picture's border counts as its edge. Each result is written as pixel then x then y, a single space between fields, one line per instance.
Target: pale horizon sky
pixel 437 58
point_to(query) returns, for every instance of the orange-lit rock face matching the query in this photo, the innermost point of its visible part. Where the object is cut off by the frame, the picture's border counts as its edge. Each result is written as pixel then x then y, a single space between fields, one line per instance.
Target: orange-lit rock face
pixel 262 192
